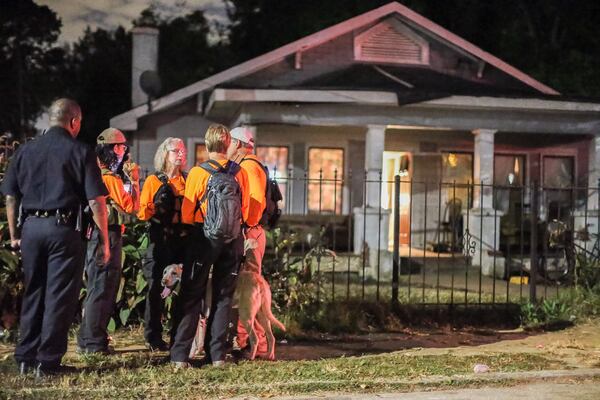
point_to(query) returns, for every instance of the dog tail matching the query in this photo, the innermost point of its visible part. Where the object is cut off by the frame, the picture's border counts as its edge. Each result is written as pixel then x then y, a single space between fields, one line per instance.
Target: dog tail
pixel 275 321
pixel 266 306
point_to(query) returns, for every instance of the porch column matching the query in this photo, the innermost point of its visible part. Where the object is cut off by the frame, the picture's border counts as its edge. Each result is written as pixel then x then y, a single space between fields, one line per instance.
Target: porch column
pixel 483 167
pixel 593 172
pixel 482 227
pixel 589 221
pixel 371 222
pixel 374 147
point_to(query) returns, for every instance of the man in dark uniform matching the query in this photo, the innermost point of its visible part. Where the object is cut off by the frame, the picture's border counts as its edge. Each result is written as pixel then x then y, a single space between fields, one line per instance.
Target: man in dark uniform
pixel 50 178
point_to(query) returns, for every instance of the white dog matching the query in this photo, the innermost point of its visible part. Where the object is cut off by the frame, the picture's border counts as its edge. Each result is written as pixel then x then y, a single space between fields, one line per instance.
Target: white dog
pixel 253 298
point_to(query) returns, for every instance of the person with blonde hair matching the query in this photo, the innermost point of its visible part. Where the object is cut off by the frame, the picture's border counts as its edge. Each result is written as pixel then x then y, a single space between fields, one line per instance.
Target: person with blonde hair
pixel 223 255
pixel 160 205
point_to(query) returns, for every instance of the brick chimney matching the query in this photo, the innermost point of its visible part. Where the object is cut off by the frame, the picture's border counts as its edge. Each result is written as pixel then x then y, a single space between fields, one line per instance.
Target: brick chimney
pixel 144 55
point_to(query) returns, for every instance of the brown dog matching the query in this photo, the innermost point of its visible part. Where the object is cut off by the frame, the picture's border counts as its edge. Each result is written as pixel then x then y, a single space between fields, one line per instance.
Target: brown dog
pixel 253 298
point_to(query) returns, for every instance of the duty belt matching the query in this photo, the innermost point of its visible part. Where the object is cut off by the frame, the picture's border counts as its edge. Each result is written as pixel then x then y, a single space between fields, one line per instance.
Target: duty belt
pixel 63 216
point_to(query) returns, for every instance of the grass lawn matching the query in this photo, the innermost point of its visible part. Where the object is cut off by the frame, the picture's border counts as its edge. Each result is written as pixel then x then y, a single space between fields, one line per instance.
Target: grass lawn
pixel 140 374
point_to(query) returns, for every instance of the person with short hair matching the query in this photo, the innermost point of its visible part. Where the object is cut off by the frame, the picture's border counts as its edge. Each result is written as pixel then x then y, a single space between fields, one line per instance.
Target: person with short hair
pixel 167 235
pixel 103 283
pixel 241 150
pixel 224 258
pixel 51 178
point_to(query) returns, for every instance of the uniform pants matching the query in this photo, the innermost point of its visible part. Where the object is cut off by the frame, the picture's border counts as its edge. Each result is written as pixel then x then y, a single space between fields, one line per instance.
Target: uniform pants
pixel 102 285
pixel 163 250
pixel 53 258
pixel 225 260
pixel 255 251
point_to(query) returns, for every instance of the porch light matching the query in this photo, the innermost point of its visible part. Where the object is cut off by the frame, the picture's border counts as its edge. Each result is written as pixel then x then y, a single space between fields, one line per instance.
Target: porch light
pixel 452 160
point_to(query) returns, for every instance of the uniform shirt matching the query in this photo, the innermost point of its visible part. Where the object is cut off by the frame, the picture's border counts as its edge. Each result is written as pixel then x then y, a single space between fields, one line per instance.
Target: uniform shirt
pixel 195 186
pixel 151 186
pixel 117 192
pixel 54 171
pixel 257 186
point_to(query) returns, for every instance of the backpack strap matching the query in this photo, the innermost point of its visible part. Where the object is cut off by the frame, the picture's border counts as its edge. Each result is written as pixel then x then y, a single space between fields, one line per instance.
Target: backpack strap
pixel 263 166
pixel 162 177
pixel 212 166
pixel 106 171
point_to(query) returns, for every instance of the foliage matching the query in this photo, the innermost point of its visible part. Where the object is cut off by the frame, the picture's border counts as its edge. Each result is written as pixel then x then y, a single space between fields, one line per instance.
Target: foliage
pixel 547 313
pixel 131 293
pixel 186 54
pixel 97 73
pixel 587 271
pixel 29 61
pixel 11 276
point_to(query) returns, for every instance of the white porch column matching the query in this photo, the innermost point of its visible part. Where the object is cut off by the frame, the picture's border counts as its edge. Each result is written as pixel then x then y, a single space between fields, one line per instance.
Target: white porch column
pixel 593 172
pixel 588 220
pixel 483 167
pixel 371 222
pixel 483 223
pixel 374 147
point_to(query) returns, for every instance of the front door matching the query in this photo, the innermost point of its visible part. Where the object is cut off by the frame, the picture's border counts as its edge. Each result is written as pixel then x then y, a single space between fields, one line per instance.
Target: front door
pixel 397 163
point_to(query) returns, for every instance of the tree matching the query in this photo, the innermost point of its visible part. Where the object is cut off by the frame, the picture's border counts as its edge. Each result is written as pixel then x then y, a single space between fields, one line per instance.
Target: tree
pixel 98 75
pixel 186 55
pixel 29 63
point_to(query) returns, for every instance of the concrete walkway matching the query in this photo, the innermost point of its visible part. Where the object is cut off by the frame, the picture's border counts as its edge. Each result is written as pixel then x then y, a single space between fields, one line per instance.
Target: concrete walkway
pixel 538 391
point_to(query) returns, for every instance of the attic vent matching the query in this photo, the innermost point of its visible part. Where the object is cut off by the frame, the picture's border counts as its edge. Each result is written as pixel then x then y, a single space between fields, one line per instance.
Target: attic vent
pixel 391 42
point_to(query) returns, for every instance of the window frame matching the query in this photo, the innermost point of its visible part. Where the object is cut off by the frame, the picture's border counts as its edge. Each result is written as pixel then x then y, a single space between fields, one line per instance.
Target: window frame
pixel 339 179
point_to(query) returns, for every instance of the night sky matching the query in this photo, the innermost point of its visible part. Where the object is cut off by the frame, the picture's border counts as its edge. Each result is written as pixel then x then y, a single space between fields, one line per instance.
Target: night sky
pixel 108 14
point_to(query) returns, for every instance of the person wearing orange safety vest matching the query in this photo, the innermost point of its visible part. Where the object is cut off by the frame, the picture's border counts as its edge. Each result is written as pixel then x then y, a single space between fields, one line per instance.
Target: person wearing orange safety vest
pixel 103 280
pixel 222 257
pixel 241 151
pixel 160 205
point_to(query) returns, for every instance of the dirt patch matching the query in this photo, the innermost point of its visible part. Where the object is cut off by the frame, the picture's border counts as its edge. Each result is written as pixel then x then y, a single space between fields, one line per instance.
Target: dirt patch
pixel 578 346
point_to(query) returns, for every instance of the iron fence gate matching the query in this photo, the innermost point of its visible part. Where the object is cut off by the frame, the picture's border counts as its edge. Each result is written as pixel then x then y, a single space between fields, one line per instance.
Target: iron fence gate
pixel 416 242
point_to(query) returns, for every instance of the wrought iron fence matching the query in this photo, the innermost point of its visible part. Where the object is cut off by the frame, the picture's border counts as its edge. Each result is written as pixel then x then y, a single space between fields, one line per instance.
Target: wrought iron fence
pixel 416 242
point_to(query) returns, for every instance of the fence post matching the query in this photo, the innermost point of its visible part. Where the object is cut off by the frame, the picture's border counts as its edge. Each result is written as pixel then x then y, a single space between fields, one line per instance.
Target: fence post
pixel 534 242
pixel 396 262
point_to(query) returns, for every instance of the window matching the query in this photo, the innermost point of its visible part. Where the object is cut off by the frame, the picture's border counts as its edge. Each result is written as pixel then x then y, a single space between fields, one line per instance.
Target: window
pixel 558 179
pixel 200 154
pixel 457 172
pixel 325 174
pixel 276 159
pixel 509 172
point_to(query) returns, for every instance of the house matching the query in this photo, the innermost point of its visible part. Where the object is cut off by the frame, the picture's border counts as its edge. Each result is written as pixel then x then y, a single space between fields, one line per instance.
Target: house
pixel 387 92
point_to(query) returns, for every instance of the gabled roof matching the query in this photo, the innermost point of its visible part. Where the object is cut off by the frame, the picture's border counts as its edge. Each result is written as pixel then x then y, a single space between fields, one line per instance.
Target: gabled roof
pixel 128 120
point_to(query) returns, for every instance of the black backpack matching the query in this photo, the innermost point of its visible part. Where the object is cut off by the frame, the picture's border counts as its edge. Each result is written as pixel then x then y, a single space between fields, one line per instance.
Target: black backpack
pixel 223 219
pixel 166 202
pixel 273 195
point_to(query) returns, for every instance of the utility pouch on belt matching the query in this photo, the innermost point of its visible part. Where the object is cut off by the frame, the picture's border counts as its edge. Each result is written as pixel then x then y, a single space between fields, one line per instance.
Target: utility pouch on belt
pixel 22 216
pixel 85 222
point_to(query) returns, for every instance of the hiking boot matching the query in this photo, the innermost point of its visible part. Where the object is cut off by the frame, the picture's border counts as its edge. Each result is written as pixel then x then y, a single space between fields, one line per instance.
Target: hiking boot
pixel 158 346
pixel 26 367
pixel 43 371
pixel 181 364
pixel 107 351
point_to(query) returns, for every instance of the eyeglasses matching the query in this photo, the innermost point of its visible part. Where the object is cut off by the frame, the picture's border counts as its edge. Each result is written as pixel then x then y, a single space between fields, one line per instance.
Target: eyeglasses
pixel 125 147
